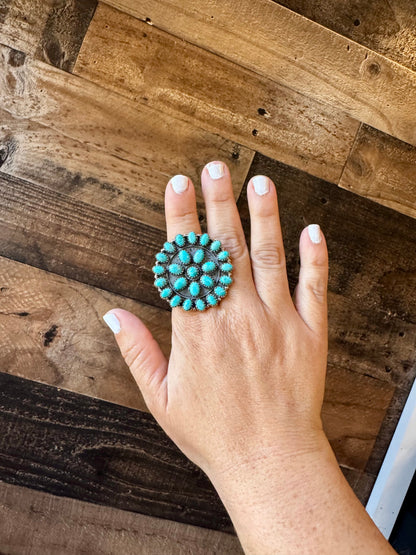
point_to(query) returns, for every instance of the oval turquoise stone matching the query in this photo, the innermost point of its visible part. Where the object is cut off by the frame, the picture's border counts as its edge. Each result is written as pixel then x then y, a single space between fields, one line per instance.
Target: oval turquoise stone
pixel 194 289
pixel 211 300
pixel 187 304
pixel 226 280
pixel 207 281
pixel 204 239
pixel 169 247
pixel 220 291
pixel 216 245
pixel 192 272
pixel 223 255
pixel 226 267
pixel 199 256
pixel 184 257
pixel 165 293
pixel 200 305
pixel 161 282
pixel 159 270
pixel 175 301
pixel 192 238
pixel 175 269
pixel 180 283
pixel 208 266
pixel 180 240
pixel 161 257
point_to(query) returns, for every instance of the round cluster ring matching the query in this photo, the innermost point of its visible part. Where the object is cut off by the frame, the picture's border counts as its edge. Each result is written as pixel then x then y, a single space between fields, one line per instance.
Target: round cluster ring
pixel 193 271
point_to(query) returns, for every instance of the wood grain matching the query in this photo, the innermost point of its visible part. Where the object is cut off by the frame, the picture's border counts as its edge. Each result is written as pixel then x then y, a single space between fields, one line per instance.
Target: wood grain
pixel 34 523
pixel 383 169
pixel 115 155
pixel 292 50
pixel 386 26
pixel 96 451
pixel 189 83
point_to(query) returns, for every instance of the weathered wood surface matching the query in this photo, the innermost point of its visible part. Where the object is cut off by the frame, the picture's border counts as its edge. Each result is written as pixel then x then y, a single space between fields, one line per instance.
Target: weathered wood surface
pixel 182 80
pixel 290 49
pixel 33 522
pixel 382 169
pixel 386 26
pixel 58 127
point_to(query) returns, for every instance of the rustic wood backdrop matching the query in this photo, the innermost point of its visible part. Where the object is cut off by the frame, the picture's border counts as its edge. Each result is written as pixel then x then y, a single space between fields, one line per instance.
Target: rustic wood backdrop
pixel 100 104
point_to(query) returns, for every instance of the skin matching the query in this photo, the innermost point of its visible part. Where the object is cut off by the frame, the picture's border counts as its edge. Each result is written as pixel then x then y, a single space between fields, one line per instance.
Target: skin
pixel 244 403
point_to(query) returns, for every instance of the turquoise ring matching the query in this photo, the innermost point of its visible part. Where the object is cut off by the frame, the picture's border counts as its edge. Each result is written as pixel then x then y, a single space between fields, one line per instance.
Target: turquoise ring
pixel 193 272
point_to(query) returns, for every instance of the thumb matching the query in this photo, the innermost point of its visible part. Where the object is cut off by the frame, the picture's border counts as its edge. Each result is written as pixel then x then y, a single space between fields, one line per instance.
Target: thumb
pixel 310 296
pixel 142 355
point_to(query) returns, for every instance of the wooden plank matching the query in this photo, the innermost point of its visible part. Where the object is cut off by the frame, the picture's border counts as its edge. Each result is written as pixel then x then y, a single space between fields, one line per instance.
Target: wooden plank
pixel 102 453
pixel 383 169
pixel 290 49
pixel 115 156
pixel 172 76
pixel 51 31
pixel 34 523
pixel 386 26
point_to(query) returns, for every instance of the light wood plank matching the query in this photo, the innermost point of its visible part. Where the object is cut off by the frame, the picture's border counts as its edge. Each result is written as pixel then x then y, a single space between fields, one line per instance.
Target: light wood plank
pixel 383 169
pixel 187 82
pixel 290 49
pixel 37 523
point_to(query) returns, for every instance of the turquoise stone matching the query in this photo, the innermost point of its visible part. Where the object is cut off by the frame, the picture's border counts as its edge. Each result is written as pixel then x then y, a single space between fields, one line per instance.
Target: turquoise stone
pixel 159 270
pixel 192 238
pixel 192 272
pixel 204 239
pixel 176 269
pixel 207 281
pixel 220 291
pixel 226 280
pixel 165 293
pixel 211 300
pixel 199 256
pixel 223 255
pixel 161 282
pixel 161 257
pixel 209 266
pixel 226 267
pixel 175 301
pixel 187 304
pixel 200 305
pixel 194 289
pixel 216 245
pixel 180 283
pixel 169 247
pixel 184 257
pixel 180 240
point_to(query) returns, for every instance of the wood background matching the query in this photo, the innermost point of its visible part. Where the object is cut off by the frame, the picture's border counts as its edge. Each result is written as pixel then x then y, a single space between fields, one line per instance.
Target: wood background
pixel 100 104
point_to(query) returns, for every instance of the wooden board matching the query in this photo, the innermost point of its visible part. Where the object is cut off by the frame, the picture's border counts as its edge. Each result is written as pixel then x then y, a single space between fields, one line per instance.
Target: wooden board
pixel 179 79
pixel 34 522
pixel 43 141
pixel 383 169
pixel 290 49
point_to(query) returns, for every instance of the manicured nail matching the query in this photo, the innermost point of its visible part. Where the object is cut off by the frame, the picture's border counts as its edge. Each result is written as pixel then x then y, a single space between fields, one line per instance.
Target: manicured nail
pixel 179 183
pixel 315 233
pixel 112 322
pixel 261 184
pixel 216 170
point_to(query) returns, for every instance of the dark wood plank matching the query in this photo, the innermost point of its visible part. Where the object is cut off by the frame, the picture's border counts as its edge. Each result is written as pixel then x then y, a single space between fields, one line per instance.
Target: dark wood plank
pixel 96 451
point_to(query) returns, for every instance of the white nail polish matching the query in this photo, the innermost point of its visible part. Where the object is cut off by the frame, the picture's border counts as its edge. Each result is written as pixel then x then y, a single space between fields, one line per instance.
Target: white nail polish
pixel 216 170
pixel 179 183
pixel 261 184
pixel 314 233
pixel 112 322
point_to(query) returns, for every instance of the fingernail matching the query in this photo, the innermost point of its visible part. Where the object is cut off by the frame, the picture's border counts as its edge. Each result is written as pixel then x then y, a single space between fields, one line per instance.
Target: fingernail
pixel 216 170
pixel 261 184
pixel 315 233
pixel 112 322
pixel 179 183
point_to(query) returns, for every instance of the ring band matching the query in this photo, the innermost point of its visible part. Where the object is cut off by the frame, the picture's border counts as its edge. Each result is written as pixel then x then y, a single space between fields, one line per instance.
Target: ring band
pixel 193 272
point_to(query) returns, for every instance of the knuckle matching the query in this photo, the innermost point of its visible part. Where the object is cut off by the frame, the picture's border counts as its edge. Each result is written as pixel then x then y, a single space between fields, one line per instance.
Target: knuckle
pixel 234 244
pixel 318 287
pixel 134 356
pixel 268 257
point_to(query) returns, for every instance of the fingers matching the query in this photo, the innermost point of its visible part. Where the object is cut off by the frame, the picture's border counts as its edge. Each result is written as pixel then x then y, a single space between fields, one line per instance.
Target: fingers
pixel 180 207
pixel 310 295
pixel 143 356
pixel 267 251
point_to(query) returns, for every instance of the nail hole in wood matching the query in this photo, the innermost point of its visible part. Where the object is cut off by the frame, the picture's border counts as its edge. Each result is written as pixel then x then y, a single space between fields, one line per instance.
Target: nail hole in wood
pixel 254 132
pixel 324 200
pixel 388 369
pixel 357 22
pixel 149 21
pixel 261 111
pixel 401 333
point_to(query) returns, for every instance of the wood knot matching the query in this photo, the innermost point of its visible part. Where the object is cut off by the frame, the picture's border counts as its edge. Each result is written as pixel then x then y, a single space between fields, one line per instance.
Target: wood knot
pixel 16 58
pixel 374 69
